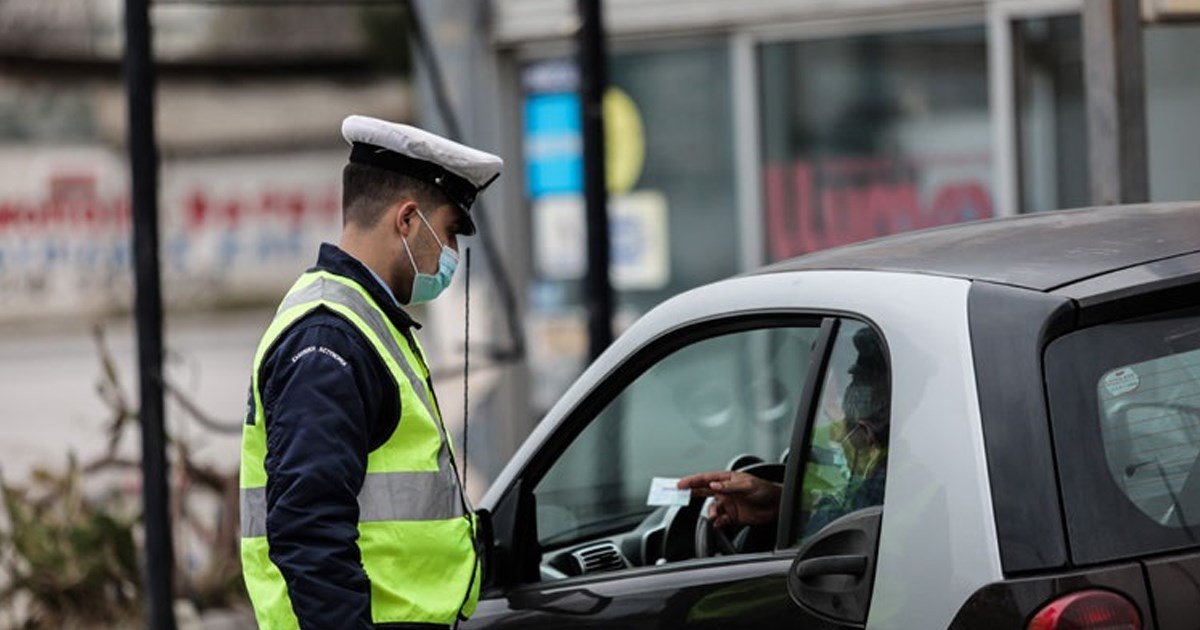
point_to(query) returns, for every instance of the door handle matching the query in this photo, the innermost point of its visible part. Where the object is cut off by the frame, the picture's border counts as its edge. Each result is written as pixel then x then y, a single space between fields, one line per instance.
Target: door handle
pixel 855 565
pixel 833 573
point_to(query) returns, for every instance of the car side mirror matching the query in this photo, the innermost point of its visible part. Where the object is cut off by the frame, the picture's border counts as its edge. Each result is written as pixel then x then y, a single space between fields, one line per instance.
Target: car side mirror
pixel 834 572
pixel 510 553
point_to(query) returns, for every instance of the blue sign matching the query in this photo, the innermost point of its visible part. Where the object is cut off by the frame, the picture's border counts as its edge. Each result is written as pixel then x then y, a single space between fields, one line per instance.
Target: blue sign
pixel 553 144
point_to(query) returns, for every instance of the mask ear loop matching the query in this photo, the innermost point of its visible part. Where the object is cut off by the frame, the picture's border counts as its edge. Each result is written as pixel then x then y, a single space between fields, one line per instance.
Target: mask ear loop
pixel 432 232
pixel 408 250
pixel 869 436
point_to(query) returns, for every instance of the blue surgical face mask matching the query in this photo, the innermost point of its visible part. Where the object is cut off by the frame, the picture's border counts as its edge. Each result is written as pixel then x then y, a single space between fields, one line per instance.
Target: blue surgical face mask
pixel 426 287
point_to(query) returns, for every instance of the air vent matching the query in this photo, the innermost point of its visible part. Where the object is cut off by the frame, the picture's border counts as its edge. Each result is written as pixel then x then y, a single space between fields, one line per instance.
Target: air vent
pixel 600 558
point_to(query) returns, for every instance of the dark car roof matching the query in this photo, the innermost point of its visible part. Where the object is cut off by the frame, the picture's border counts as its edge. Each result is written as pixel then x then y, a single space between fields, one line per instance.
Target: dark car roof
pixel 1038 251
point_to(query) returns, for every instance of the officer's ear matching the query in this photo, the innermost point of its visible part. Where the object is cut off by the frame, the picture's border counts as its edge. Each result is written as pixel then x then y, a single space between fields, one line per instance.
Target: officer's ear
pixel 406 217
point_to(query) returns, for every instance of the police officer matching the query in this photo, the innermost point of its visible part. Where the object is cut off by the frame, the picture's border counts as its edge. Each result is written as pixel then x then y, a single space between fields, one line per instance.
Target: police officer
pixel 352 514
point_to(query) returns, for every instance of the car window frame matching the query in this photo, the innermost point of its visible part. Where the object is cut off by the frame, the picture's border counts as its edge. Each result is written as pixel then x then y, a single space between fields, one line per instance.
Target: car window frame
pixel 654 350
pixel 793 476
pixel 612 384
pixel 652 354
pixel 640 361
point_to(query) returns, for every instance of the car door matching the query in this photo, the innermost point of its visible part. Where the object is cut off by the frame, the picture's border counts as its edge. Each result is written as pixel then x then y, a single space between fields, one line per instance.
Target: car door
pixel 575 544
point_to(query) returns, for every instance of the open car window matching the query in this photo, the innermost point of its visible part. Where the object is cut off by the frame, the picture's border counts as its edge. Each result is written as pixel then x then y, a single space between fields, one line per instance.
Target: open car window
pixel 725 400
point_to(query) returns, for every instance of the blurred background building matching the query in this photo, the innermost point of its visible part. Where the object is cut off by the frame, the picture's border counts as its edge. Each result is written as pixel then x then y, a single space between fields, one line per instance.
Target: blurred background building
pixel 250 102
pixel 739 133
pixel 742 133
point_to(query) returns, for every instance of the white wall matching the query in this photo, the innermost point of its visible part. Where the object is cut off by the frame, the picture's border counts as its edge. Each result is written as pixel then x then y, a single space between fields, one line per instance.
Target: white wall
pixel 49 379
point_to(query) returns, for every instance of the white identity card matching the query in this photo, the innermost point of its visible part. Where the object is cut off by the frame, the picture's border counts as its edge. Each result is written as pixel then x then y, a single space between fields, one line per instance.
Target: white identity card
pixel 664 492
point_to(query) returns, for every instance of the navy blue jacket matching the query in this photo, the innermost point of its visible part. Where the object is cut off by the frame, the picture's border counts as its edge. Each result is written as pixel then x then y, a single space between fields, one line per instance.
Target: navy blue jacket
pixel 325 411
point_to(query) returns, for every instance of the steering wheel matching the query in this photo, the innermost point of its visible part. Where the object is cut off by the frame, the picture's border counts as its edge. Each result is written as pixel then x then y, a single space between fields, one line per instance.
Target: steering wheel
pixel 712 541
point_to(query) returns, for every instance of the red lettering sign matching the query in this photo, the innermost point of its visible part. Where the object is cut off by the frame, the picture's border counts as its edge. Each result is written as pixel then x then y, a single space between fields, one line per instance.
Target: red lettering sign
pixel 850 199
pixel 73 202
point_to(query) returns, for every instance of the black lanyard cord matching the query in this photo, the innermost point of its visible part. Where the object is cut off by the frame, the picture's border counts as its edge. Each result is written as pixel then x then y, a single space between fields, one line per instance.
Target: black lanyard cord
pixel 466 359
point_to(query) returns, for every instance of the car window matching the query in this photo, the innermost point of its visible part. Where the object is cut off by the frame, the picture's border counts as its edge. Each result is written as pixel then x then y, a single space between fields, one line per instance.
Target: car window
pixel 697 409
pixel 845 466
pixel 1150 423
pixel 1125 410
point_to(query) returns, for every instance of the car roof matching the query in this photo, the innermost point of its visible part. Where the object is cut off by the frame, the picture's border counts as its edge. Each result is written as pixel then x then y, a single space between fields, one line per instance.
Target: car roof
pixel 1041 251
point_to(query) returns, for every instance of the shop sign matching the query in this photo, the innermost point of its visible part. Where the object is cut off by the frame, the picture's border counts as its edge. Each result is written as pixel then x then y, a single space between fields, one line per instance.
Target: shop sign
pixel 553 136
pixel 232 229
pixel 813 205
pixel 639 249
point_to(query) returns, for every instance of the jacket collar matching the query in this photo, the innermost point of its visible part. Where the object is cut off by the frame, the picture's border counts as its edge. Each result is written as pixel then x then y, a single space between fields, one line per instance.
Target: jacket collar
pixel 333 259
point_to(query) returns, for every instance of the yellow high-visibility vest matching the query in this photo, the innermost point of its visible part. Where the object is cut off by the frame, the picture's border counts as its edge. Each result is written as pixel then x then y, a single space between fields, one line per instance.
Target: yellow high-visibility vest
pixel 416 532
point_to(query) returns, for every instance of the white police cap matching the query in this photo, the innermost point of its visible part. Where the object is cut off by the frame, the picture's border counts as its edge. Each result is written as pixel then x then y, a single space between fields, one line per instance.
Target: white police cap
pixel 458 170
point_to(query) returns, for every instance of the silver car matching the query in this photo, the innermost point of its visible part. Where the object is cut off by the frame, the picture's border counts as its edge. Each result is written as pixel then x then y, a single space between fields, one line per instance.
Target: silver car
pixel 989 425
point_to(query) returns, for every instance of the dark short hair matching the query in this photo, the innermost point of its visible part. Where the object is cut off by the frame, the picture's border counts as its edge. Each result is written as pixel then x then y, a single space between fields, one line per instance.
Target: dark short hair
pixel 368 190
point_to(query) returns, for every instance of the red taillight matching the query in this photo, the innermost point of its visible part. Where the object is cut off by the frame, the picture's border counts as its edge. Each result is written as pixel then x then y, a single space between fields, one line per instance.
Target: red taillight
pixel 1093 610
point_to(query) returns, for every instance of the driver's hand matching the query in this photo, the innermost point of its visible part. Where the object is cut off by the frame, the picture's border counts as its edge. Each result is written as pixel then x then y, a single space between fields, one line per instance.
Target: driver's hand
pixel 740 498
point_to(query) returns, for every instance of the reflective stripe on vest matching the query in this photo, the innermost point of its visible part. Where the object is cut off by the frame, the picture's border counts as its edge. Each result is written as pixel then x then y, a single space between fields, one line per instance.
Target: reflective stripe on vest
pixel 415 528
pixel 376 501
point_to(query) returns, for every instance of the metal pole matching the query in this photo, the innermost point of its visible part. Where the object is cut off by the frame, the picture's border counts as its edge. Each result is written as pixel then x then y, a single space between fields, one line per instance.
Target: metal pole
pixel 491 253
pixel 1116 101
pixel 143 167
pixel 593 79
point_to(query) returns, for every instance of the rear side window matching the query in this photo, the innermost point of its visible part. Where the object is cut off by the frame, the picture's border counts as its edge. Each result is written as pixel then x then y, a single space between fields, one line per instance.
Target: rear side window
pixel 1125 410
pixel 1150 423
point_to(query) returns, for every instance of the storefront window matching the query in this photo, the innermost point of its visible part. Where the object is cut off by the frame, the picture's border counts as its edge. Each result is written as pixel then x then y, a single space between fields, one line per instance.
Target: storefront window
pixel 1051 114
pixel 672 206
pixel 871 135
pixel 1172 105
pixel 1052 122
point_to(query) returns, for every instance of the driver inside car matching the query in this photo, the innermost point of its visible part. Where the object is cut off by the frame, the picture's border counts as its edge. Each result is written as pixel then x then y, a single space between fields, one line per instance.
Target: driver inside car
pixel 847 463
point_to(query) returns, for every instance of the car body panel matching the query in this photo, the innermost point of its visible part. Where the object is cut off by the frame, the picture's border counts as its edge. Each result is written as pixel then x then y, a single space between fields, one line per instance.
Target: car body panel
pixel 1175 587
pixel 1009 329
pixel 750 594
